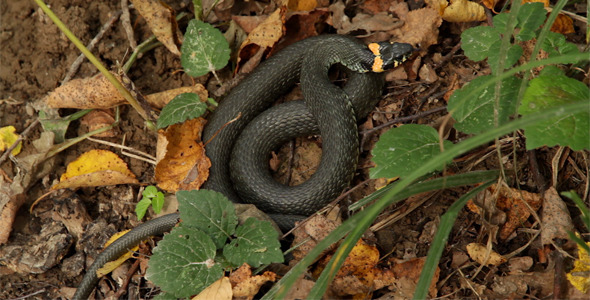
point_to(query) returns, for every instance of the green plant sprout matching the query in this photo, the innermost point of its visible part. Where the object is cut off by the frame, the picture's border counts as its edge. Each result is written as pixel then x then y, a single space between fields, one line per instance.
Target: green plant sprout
pixel 151 197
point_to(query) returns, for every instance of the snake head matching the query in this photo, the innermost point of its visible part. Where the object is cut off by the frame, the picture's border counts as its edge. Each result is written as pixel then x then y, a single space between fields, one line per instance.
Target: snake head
pixel 389 55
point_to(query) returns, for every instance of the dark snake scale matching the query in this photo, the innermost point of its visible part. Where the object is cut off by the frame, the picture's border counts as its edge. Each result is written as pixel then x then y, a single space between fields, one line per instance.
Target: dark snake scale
pixel 239 147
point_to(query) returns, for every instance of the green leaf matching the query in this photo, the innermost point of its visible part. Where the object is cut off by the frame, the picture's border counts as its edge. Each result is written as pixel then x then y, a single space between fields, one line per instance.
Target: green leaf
pixel 183 107
pixel 184 264
pixel 476 41
pixel 477 113
pixel 158 202
pixel 530 17
pixel 512 56
pixel 500 21
pixel 549 92
pixel 400 150
pixel 204 49
pixel 208 211
pixel 142 207
pixel 555 44
pixel 150 191
pixel 256 243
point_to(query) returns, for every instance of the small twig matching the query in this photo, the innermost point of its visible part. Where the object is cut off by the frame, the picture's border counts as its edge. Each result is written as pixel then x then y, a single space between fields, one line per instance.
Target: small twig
pixel 76 65
pixel 126 22
pixel 21 137
pixel 30 295
pixel 146 157
pixel 404 119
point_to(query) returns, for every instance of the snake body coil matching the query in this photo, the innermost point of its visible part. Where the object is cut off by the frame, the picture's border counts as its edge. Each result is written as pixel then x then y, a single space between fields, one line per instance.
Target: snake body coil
pixel 328 109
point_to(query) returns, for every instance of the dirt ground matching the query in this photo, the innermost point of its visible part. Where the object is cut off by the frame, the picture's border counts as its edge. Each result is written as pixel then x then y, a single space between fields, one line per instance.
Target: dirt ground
pixel 35 57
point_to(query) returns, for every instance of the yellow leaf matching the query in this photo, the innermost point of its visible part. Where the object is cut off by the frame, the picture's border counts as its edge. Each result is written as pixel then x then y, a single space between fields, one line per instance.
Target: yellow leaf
pixel 220 290
pixel 110 266
pixel 464 11
pixel 479 253
pixel 7 138
pixel 579 277
pixel 96 168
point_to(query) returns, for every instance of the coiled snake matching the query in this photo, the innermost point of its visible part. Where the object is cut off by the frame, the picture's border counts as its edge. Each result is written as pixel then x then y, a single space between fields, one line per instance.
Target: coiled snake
pixel 328 110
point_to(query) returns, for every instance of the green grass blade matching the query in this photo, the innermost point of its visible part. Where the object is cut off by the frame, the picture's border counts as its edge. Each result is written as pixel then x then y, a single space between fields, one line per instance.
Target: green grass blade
pixel 440 239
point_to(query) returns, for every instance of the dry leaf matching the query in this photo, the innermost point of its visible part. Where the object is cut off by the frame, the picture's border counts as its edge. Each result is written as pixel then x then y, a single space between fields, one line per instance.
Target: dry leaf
pixel 245 285
pixel 563 24
pixel 97 119
pixel 219 290
pixel 96 168
pixel 357 273
pixel 9 137
pixel 405 275
pixel 161 20
pixel 159 100
pixel 111 265
pixel 311 232
pixel 420 27
pixel 479 253
pixel 184 166
pixel 579 276
pixel 263 37
pixel 464 11
pixel 91 92
pixel 556 218
pixel 302 5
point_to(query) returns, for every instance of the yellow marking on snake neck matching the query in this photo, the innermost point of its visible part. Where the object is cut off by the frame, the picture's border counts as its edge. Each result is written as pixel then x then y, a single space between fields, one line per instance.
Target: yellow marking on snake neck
pixel 374 47
pixel 378 64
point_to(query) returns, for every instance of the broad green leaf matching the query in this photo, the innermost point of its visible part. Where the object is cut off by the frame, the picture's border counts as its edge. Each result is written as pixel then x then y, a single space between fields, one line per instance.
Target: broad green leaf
pixel 204 49
pixel 530 17
pixel 476 41
pixel 183 107
pixel 150 191
pixel 400 150
pixel 555 44
pixel 256 243
pixel 549 92
pixel 512 56
pixel 500 21
pixel 208 211
pixel 158 202
pixel 477 113
pixel 141 207
pixel 184 264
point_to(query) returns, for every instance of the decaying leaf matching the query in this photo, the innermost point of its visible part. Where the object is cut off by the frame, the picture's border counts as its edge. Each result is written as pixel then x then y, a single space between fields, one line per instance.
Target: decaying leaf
pixel 159 100
pixel 563 24
pixel 312 232
pixel 245 285
pixel 302 5
pixel 9 137
pixel 111 265
pixel 220 289
pixel 555 218
pixel 96 168
pixel 184 165
pixel 479 253
pixel 579 276
pixel 509 201
pixel 97 119
pixel 161 20
pixel 262 38
pixel 464 11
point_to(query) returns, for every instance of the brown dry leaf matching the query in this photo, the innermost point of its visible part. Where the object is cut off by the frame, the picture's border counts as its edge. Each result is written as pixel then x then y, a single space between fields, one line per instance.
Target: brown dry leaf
pixel 438 5
pixel 302 5
pixel 370 23
pixel 159 100
pixel 91 92
pixel 556 218
pixel 184 165
pixel 162 22
pixel 263 37
pixel 302 25
pixel 479 253
pixel 490 4
pixel 464 11
pixel 509 208
pixel 563 24
pixel 405 275
pixel 420 27
pixel 248 23
pixel 312 231
pixel 374 6
pixel 96 168
pixel 245 285
pixel 357 273
pixel 520 286
pixel 219 290
pixel 97 119
pixel 111 265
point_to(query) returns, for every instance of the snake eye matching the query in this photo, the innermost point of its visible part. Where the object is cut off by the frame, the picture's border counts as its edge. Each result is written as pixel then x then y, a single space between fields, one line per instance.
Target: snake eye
pixel 394 54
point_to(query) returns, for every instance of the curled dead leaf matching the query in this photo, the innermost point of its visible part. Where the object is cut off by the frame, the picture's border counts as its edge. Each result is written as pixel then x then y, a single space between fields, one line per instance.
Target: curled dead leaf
pixel 479 253
pixel 184 165
pixel 161 20
pixel 96 168
pixel 464 11
pixel 245 285
pixel 220 290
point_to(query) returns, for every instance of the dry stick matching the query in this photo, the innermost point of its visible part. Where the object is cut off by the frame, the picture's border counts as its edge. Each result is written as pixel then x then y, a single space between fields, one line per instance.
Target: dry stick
pixel 404 119
pixel 22 136
pixel 126 21
pixel 76 65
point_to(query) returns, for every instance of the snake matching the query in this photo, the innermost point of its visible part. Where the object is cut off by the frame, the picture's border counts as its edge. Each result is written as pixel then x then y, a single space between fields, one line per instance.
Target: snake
pixel 244 128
